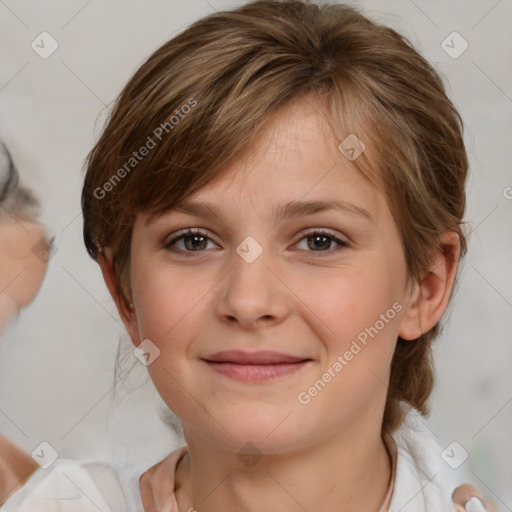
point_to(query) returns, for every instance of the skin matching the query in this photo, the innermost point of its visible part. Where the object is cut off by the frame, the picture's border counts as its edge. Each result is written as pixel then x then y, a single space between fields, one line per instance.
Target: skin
pixel 465 492
pixel 21 275
pixel 328 454
pixel 156 491
pixel 21 271
pixel 15 468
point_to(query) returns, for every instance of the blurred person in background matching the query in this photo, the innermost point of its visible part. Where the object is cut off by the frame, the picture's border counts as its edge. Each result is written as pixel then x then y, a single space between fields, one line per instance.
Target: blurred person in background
pixel 23 263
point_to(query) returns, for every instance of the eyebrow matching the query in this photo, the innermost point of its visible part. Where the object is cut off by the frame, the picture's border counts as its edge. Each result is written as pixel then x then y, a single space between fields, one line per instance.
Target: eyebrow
pixel 286 211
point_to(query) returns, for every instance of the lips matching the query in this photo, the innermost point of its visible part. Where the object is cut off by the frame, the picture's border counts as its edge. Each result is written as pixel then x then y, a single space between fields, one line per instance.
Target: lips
pixel 255 367
pixel 262 357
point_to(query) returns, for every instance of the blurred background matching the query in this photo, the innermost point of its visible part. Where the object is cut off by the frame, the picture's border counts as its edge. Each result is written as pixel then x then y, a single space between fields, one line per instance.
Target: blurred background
pixel 62 63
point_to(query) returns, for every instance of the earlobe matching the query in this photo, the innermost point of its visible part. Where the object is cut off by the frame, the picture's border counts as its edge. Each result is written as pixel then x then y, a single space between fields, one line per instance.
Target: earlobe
pixel 105 261
pixel 107 269
pixel 410 326
pixel 431 296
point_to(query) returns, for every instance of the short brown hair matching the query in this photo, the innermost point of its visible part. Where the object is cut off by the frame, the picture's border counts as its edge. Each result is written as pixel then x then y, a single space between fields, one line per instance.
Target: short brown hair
pixel 235 70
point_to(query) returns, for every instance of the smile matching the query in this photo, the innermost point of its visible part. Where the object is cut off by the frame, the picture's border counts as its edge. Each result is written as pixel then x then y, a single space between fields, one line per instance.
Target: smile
pixel 256 372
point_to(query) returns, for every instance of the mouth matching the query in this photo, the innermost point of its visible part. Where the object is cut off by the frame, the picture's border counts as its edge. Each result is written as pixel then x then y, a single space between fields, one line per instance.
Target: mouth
pixel 255 366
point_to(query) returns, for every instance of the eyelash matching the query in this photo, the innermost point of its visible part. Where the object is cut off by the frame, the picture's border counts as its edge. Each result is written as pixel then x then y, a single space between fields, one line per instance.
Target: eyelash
pixel 198 231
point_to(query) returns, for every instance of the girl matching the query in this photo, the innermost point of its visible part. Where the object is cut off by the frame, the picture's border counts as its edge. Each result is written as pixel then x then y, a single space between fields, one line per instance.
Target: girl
pixel 276 207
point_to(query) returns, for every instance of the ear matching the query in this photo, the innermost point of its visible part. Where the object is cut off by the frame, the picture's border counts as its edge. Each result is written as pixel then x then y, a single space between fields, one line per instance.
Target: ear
pixel 430 297
pixel 128 316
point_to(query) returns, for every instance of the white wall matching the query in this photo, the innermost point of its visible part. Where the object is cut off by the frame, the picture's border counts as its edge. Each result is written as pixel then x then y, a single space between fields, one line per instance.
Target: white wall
pixel 56 366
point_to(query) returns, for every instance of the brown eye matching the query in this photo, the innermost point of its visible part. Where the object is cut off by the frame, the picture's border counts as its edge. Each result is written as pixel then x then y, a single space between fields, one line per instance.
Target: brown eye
pixel 321 241
pixel 194 240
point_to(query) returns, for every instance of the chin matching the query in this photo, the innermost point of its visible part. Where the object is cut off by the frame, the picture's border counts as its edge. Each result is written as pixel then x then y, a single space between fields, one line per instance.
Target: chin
pixel 269 433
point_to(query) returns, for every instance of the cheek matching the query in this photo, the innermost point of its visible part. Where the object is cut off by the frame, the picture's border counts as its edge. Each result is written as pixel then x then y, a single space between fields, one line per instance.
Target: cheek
pixel 165 300
pixel 363 315
pixel 363 311
pixel 356 298
pixel 165 309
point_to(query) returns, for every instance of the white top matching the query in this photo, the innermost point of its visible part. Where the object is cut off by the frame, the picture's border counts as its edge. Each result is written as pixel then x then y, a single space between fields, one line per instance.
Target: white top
pixel 421 480
pixel 79 486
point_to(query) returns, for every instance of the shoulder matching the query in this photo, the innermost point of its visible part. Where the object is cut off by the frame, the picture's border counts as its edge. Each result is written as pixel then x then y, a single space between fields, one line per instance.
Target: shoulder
pixel 424 481
pixel 78 486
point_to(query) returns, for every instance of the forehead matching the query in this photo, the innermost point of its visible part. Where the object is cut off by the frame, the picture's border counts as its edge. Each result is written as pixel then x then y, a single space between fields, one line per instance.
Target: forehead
pixel 292 137
pixel 293 167
pixel 295 158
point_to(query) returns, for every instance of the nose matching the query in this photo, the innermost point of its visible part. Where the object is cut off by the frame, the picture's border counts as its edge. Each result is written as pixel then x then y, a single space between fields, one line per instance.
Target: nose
pixel 252 294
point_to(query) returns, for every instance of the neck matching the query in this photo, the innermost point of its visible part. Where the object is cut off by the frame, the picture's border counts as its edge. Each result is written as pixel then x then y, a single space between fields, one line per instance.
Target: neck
pixel 350 473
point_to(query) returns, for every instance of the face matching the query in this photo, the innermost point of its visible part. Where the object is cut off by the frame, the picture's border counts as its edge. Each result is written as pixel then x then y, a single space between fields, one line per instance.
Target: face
pixel 325 288
pixel 19 241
